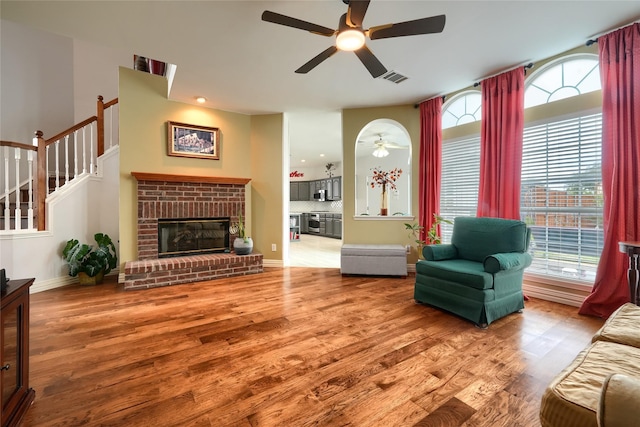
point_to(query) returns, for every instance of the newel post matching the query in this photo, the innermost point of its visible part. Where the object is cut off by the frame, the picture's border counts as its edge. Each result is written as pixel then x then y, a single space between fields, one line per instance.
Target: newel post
pixel 41 176
pixel 100 124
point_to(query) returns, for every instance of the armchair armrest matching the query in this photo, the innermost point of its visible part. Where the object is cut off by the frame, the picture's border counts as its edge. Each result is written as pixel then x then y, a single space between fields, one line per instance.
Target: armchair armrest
pixel 439 252
pixel 618 401
pixel 506 261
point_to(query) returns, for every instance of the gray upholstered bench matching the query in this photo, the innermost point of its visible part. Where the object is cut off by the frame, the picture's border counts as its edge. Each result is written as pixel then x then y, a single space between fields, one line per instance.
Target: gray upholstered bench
pixel 376 260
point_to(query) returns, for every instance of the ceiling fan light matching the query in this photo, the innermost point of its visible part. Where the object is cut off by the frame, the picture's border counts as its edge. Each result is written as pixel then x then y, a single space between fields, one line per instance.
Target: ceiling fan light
pixel 350 40
pixel 380 152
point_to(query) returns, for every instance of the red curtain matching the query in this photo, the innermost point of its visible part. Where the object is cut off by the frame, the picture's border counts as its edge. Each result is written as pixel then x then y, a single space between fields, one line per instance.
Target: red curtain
pixel 501 145
pixel 620 75
pixel 430 164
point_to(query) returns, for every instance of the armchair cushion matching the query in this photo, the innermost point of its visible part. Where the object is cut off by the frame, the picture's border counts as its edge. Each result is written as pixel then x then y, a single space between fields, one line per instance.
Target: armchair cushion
pixel 507 261
pixel 439 252
pixel 477 238
pixel 469 273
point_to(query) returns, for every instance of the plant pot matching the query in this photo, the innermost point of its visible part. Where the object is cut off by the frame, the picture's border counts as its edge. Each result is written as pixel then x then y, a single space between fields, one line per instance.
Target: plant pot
pixel 85 279
pixel 242 247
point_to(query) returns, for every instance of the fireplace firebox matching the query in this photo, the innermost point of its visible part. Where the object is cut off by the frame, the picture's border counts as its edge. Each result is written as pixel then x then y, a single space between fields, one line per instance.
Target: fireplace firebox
pixel 192 236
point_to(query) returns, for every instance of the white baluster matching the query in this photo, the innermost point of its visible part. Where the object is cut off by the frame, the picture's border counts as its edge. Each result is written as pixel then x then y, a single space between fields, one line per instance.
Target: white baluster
pixel 92 170
pixel 30 206
pixel 7 212
pixel 18 211
pixel 66 160
pixel 84 152
pixel 75 154
pixel 47 172
pixel 57 143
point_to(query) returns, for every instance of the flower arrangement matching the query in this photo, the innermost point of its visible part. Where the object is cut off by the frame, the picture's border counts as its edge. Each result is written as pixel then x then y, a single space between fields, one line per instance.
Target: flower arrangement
pixel 383 178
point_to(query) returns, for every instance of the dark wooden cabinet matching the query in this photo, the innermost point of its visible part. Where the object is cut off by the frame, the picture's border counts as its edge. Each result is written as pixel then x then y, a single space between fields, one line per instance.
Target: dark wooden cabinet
pixel 14 352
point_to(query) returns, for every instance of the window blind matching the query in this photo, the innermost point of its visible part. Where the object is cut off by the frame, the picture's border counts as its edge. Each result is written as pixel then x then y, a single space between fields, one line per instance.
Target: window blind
pixel 561 197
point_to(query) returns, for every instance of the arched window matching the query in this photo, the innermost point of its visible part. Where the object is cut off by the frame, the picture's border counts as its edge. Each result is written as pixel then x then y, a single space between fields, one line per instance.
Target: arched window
pixel 561 191
pixel 569 76
pixel 461 109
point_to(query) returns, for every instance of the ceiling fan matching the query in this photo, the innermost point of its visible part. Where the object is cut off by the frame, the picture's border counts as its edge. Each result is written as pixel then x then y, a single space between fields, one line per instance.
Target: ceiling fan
pixel 382 146
pixel 350 35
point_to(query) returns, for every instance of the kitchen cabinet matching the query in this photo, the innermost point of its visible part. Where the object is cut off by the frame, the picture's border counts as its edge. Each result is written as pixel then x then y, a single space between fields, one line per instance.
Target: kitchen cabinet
pixel 299 191
pixel 304 223
pixel 336 188
pixel 14 352
pixel 337 226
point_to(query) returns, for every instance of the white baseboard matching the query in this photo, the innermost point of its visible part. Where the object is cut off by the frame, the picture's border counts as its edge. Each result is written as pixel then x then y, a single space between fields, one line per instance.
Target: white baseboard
pixel 272 263
pixel 567 297
pixel 58 282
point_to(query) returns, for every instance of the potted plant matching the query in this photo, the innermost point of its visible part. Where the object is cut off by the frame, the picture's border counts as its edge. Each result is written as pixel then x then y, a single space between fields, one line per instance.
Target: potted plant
pixel 90 263
pixel 432 237
pixel 242 245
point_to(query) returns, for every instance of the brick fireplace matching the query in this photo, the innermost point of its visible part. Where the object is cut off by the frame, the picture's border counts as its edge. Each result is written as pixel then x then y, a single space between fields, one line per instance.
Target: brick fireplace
pixel 162 197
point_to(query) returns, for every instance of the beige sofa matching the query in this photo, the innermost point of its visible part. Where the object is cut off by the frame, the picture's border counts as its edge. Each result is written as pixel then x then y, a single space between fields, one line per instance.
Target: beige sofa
pixel 601 387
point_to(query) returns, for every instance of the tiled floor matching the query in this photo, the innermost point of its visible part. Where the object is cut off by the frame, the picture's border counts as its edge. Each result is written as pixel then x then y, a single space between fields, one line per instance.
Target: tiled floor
pixel 315 251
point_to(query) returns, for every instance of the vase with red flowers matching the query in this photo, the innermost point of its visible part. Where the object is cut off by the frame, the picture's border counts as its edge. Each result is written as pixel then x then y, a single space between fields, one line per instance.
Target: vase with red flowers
pixel 387 181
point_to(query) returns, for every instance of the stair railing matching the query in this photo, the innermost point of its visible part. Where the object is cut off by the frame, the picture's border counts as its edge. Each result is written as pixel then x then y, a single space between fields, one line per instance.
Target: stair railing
pixel 84 141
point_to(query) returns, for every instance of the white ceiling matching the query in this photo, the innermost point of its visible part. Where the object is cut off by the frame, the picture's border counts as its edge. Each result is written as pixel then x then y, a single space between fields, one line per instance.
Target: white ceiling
pixel 226 53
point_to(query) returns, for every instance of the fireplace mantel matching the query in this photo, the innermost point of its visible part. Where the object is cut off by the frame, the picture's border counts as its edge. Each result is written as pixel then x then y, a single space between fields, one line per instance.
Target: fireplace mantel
pixel 160 177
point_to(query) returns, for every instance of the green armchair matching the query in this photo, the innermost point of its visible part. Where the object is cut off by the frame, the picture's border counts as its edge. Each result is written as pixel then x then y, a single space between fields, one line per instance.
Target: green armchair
pixel 479 275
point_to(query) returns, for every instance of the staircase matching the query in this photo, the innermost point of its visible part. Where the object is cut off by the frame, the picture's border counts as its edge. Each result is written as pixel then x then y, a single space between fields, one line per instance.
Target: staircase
pixel 32 173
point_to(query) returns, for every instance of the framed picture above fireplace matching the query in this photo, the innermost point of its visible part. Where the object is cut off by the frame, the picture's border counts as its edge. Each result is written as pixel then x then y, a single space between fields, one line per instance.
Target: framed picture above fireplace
pixel 193 141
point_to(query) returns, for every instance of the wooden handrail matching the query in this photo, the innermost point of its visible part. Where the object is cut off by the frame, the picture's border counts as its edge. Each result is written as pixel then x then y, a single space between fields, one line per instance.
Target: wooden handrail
pixel 18 145
pixel 70 130
pixel 111 103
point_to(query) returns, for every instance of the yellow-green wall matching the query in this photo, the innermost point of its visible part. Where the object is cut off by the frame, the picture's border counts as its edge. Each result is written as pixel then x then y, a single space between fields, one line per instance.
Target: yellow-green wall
pixel 144 112
pixel 388 230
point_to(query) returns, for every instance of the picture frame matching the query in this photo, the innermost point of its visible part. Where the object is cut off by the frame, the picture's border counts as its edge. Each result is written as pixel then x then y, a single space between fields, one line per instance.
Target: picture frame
pixel 199 142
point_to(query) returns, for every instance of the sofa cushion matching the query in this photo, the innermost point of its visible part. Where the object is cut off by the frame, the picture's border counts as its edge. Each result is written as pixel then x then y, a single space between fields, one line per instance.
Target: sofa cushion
pixel 477 238
pixel 572 399
pixel 461 271
pixel 621 326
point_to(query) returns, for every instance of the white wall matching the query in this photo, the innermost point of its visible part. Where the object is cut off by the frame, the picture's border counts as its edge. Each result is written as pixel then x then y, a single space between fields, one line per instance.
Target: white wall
pixel 36 82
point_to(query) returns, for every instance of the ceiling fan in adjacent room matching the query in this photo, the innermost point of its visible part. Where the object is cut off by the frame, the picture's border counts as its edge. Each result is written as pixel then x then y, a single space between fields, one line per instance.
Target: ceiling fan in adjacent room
pixel 350 35
pixel 381 146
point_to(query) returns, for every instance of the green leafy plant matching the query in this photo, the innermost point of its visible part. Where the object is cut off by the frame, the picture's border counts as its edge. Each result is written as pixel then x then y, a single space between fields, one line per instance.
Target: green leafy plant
pixel 238 228
pixel 89 259
pixel 432 236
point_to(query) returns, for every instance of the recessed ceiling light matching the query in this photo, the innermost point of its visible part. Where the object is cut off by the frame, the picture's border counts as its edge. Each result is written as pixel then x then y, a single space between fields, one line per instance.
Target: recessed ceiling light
pixel 303 160
pixel 321 155
pixel 201 99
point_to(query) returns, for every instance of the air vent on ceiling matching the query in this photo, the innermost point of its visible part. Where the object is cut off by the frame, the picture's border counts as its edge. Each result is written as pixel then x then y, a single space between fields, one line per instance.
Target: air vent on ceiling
pixel 394 76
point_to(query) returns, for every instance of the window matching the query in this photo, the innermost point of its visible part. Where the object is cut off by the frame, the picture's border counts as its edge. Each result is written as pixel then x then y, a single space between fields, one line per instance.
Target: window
pixel 461 109
pixel 561 193
pixel 460 181
pixel 571 76
pixel 460 160
pixel 561 197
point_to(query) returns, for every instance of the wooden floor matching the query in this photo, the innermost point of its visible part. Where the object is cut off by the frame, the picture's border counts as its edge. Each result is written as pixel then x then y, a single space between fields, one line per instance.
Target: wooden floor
pixel 289 347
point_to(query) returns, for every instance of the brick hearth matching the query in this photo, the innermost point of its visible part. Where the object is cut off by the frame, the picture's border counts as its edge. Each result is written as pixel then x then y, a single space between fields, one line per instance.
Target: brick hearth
pixel 180 196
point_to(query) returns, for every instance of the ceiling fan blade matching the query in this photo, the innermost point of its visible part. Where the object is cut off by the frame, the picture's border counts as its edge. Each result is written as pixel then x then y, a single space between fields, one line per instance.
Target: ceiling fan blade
pixel 370 61
pixel 356 12
pixel 288 21
pixel 432 24
pixel 317 60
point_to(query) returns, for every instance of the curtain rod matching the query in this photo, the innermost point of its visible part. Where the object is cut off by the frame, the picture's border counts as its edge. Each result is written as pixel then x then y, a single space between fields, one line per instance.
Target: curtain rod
pixel 526 67
pixel 417 104
pixel 594 39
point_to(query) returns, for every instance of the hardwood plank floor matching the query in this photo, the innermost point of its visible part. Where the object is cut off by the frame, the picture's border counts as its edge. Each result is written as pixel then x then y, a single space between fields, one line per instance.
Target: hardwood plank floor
pixel 289 347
